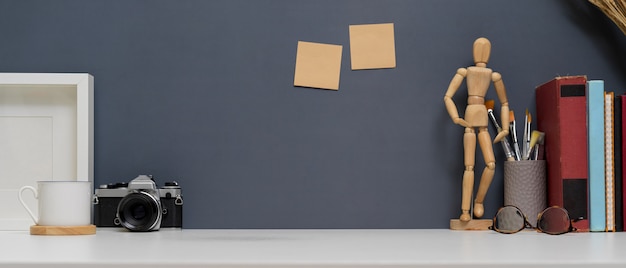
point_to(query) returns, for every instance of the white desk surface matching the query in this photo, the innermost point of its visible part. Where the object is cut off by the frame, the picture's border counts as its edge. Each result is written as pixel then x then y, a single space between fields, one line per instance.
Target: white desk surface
pixel 313 248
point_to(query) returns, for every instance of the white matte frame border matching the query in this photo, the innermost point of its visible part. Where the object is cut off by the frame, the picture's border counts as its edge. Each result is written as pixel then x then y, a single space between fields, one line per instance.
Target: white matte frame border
pixel 84 110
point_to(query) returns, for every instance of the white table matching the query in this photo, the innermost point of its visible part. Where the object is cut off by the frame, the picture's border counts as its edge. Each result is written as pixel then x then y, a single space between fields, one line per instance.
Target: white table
pixel 313 248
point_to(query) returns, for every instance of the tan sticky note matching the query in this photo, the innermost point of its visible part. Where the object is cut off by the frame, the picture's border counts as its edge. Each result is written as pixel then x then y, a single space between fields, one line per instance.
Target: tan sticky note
pixel 372 46
pixel 318 65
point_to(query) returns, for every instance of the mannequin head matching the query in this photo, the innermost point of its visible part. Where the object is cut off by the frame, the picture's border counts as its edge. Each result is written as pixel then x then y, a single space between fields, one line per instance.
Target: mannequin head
pixel 482 49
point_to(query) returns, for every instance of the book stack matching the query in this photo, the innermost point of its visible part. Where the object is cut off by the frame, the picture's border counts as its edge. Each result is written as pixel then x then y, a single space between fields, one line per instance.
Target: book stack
pixel 582 122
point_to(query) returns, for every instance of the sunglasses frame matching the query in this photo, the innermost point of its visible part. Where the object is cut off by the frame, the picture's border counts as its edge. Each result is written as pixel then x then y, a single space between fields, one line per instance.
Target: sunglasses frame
pixel 571 228
pixel 524 226
pixel 528 225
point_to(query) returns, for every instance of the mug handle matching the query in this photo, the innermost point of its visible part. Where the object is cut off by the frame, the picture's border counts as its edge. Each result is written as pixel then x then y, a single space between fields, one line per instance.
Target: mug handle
pixel 32 215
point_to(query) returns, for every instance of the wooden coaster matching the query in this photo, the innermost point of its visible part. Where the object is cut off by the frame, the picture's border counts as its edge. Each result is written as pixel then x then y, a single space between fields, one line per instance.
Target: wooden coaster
pixel 472 225
pixel 62 230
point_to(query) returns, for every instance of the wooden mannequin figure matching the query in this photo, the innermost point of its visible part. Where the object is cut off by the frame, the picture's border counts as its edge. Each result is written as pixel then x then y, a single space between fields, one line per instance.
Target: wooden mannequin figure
pixel 479 78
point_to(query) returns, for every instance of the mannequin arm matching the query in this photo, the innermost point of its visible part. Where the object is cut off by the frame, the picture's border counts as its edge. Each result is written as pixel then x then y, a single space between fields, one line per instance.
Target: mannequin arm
pixel 447 99
pixel 504 110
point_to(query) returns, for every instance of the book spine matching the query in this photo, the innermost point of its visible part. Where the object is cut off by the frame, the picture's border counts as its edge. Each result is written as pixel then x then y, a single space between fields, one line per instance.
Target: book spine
pixel 622 178
pixel 561 115
pixel 617 162
pixel 595 148
pixel 609 174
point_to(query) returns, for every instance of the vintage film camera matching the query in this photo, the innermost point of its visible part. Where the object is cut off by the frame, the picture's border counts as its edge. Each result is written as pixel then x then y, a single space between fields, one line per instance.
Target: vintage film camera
pixel 139 205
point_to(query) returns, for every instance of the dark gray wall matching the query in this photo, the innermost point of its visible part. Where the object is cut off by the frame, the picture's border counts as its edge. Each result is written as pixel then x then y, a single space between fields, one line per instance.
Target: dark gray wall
pixel 202 92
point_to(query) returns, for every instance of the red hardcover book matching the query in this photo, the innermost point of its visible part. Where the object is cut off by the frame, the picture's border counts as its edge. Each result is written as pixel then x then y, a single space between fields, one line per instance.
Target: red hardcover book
pixel 561 115
pixel 620 174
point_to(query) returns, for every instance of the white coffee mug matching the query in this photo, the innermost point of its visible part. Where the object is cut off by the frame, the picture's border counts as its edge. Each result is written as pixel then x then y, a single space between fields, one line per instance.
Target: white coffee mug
pixel 61 203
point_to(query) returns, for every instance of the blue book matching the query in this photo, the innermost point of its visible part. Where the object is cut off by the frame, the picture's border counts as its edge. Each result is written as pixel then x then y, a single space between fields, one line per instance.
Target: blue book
pixel 595 149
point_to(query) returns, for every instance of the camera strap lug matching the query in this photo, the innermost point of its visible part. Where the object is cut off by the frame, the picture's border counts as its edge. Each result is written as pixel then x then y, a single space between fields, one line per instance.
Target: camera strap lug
pixel 95 200
pixel 179 200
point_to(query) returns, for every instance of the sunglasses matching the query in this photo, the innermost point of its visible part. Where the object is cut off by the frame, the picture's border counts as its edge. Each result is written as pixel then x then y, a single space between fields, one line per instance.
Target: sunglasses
pixel 553 220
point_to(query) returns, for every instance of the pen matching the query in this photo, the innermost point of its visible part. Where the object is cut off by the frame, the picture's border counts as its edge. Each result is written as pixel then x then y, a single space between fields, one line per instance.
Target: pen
pixel 513 134
pixel 510 156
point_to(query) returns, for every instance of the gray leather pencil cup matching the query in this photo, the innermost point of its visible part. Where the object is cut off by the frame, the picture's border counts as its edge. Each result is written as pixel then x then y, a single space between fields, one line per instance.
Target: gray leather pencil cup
pixel 525 187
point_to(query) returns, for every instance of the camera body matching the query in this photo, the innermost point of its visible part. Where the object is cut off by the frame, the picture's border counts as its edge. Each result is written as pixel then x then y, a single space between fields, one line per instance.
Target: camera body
pixel 139 205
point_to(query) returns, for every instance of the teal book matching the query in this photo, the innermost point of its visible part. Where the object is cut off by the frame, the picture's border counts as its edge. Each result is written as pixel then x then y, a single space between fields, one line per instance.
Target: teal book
pixel 595 154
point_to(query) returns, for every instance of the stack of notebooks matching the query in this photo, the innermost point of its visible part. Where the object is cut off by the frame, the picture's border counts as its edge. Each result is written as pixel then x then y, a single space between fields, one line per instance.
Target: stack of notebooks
pixel 583 127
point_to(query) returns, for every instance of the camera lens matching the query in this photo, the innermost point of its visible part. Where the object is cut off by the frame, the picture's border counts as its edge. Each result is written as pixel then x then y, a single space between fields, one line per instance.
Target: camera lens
pixel 140 211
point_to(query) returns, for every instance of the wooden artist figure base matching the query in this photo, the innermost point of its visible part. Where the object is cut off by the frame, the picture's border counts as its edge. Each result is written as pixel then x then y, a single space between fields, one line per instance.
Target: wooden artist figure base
pixel 62 230
pixel 472 225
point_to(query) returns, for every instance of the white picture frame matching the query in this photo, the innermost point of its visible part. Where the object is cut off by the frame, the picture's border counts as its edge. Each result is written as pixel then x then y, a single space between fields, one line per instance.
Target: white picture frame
pixel 46 133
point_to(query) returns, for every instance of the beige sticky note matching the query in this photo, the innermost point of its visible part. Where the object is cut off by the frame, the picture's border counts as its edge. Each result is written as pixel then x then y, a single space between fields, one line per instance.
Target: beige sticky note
pixel 372 46
pixel 318 65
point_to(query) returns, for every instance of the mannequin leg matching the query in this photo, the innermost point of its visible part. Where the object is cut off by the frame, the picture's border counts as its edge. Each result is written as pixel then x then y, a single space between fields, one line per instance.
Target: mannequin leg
pixel 484 139
pixel 469 146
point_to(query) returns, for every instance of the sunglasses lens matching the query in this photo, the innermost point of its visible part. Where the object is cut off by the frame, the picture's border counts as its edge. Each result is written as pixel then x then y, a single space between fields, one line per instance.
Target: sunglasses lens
pixel 509 220
pixel 554 220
